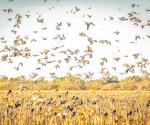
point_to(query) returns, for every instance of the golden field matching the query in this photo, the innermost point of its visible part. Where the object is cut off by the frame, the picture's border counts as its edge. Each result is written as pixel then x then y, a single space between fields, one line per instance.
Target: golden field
pixel 72 101
pixel 74 107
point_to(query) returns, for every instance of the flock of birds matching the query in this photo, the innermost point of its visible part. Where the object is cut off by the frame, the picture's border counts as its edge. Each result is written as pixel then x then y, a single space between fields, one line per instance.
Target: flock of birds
pixel 19 47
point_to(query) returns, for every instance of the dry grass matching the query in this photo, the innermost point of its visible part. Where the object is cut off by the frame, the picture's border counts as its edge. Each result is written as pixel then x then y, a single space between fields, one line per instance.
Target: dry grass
pixel 74 108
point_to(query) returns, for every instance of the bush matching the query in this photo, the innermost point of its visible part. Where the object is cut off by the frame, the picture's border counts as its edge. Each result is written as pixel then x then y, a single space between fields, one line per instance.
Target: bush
pixel 95 85
pixel 75 83
pixel 112 79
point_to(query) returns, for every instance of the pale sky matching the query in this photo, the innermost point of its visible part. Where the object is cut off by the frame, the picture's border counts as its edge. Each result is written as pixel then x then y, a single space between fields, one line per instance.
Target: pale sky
pixel 103 30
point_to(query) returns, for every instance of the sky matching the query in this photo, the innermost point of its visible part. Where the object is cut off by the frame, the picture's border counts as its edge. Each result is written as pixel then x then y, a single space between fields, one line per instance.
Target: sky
pixel 101 10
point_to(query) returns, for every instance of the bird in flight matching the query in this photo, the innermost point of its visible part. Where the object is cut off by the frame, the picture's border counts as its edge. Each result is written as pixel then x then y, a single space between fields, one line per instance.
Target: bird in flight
pixel 89 49
pixel 88 24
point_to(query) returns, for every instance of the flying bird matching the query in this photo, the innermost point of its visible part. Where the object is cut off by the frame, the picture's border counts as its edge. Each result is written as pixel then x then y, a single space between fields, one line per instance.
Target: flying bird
pixel 88 24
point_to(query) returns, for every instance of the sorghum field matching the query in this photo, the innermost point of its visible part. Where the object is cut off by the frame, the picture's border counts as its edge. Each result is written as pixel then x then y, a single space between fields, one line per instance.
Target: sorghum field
pixel 87 107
